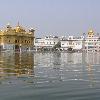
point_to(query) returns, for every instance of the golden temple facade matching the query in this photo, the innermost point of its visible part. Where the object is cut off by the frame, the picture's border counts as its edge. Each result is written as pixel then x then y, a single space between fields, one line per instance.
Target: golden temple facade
pixel 16 38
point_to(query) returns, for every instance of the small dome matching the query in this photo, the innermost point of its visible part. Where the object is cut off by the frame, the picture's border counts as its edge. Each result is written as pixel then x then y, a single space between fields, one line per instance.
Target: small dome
pixel 91 31
pixel 8 25
pixel 31 30
pixel 19 29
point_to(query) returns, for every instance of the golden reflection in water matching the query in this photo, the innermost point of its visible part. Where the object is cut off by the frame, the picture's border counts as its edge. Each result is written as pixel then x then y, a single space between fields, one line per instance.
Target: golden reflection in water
pixel 93 57
pixel 16 64
pixel 24 63
pixel 90 74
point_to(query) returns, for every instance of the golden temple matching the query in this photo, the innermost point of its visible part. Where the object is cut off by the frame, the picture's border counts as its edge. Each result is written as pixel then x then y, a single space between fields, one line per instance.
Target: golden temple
pixel 16 38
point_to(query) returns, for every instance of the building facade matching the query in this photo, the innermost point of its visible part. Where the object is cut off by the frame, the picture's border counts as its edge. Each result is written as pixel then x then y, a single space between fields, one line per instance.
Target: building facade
pixel 47 42
pixel 75 43
pixel 92 42
pixel 51 41
pixel 89 43
pixel 16 38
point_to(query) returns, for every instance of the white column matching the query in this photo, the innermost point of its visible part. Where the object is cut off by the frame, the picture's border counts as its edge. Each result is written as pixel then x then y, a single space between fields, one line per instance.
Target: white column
pixel 2 44
pixel 20 48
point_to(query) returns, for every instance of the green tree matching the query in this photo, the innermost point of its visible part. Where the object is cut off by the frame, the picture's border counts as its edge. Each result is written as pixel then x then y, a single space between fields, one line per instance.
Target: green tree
pixel 57 46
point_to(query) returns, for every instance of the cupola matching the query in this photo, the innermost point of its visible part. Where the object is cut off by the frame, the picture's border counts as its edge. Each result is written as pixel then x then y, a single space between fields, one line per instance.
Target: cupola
pixel 19 28
pixel 91 33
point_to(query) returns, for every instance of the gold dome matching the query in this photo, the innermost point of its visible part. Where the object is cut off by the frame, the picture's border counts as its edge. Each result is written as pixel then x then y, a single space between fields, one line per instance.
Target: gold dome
pixel 19 29
pixel 91 32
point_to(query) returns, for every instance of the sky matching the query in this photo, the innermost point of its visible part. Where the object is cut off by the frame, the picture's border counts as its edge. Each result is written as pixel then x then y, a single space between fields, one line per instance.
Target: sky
pixel 52 17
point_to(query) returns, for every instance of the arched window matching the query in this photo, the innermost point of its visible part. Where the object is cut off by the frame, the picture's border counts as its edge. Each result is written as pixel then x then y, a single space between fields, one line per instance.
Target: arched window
pixel 15 41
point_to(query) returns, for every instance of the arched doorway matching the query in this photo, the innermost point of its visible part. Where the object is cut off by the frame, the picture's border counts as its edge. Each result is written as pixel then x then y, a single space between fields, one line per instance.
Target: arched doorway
pixel 17 47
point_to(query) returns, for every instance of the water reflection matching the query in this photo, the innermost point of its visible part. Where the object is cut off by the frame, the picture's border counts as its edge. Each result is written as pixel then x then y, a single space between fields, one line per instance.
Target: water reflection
pixel 70 58
pixel 24 63
pixel 51 66
pixel 93 58
pixel 53 76
pixel 16 64
pixel 57 66
pixel 91 63
pixel 90 75
pixel 57 60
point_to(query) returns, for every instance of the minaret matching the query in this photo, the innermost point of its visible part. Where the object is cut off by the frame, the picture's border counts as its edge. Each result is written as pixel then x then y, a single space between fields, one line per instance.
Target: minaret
pixel 18 24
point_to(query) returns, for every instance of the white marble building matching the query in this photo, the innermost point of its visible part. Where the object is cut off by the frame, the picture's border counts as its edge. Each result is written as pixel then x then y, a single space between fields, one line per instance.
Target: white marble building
pixel 72 42
pixel 90 43
pixel 46 42
pixel 39 42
